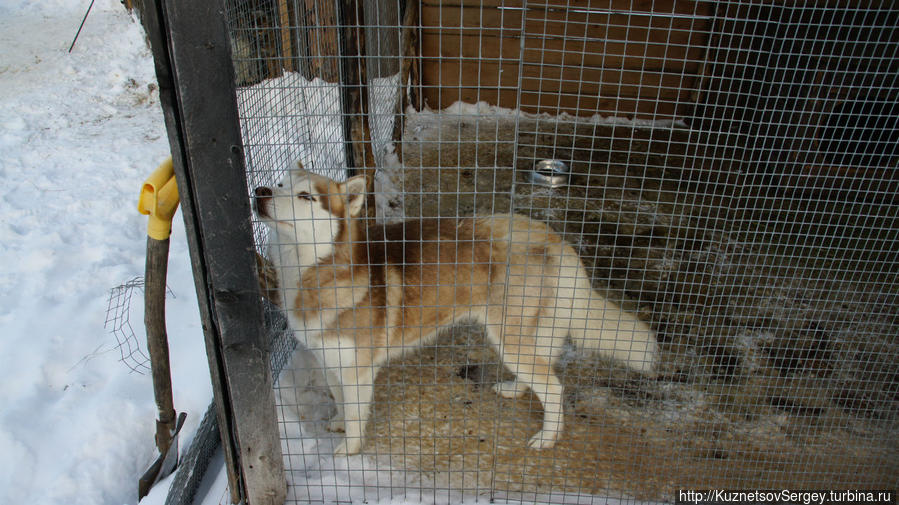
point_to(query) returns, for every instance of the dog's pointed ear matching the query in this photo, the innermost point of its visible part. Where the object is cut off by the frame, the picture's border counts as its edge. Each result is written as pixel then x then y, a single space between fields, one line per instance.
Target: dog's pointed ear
pixel 354 191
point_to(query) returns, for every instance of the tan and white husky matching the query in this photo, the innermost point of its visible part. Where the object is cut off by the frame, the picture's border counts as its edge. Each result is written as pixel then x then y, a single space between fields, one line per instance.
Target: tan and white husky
pixel 359 296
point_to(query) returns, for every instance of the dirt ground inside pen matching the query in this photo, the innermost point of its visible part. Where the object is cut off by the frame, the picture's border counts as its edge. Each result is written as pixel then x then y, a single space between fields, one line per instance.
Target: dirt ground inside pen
pixel 777 314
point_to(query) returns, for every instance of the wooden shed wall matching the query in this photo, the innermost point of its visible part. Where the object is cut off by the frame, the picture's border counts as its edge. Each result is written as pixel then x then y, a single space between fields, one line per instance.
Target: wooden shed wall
pixel 815 85
pixel 637 58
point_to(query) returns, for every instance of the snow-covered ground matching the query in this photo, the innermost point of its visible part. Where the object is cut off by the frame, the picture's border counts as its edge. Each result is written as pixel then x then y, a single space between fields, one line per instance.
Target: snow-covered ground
pixel 79 132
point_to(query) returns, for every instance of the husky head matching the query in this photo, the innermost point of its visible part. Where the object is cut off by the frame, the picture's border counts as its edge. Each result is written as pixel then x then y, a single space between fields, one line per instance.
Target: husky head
pixel 309 211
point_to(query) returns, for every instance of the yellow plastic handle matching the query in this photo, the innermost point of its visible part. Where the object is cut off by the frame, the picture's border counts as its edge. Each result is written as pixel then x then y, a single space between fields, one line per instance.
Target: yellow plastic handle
pixel 159 200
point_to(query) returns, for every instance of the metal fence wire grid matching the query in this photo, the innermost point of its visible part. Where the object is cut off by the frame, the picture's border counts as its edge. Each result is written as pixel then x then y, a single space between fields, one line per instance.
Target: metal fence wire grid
pixel 698 289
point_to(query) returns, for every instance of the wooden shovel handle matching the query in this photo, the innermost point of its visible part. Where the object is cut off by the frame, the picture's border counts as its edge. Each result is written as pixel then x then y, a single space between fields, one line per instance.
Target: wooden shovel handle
pixel 157 340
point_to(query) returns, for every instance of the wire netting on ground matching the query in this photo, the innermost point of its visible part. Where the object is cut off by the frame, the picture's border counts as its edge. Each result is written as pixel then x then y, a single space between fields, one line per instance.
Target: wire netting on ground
pixel 731 181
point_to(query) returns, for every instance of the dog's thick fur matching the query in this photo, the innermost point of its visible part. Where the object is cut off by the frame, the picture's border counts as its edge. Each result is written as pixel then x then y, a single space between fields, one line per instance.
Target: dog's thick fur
pixel 359 296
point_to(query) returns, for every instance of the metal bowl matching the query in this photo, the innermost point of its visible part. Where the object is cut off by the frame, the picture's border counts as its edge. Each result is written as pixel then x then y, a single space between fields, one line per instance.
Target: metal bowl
pixel 550 173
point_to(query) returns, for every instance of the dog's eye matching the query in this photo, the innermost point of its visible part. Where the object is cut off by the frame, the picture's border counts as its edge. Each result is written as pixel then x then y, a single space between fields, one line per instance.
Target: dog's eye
pixel 280 185
pixel 305 196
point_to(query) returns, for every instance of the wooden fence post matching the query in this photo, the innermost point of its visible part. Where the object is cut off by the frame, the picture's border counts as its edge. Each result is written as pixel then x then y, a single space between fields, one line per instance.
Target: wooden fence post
pixel 197 91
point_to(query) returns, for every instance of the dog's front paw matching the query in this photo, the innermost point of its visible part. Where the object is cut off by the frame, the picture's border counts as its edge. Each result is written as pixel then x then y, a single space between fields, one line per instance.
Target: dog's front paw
pixel 510 389
pixel 348 447
pixel 543 440
pixel 336 425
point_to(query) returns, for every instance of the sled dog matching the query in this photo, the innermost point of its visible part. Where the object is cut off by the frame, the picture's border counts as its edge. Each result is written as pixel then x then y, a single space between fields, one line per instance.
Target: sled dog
pixel 358 296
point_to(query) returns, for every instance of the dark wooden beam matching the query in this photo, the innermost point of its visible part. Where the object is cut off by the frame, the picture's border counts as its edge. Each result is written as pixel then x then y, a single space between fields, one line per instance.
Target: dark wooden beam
pixel 196 81
pixel 355 87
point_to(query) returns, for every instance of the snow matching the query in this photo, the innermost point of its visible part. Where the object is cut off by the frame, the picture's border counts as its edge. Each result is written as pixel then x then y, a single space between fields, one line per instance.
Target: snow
pixel 484 109
pixel 280 128
pixel 79 132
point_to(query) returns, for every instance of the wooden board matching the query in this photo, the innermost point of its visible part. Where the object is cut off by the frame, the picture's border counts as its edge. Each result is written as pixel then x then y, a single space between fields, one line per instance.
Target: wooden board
pixel 573 90
pixel 580 54
pixel 558 50
pixel 680 7
pixel 323 39
pixel 553 78
pixel 557 21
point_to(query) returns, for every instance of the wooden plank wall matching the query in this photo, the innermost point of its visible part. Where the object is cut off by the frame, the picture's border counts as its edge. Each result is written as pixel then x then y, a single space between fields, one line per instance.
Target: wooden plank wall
pixel 634 58
pixel 812 85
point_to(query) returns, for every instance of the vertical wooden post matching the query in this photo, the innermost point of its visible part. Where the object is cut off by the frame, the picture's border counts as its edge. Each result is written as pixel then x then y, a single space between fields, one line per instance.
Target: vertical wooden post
pixel 286 37
pixel 383 33
pixel 333 47
pixel 407 52
pixel 355 78
pixel 323 39
pixel 196 83
pixel 382 37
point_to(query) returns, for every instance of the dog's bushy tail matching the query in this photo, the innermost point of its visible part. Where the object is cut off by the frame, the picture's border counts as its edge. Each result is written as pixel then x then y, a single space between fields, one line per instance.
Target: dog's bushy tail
pixel 601 326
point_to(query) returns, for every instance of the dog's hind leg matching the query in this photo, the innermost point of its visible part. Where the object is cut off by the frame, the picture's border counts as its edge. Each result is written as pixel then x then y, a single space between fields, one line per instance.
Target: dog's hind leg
pixel 536 373
pixel 532 366
pixel 551 332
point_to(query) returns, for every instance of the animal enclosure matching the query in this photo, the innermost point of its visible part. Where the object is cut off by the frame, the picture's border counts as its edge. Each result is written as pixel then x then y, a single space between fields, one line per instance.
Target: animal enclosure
pixel 728 174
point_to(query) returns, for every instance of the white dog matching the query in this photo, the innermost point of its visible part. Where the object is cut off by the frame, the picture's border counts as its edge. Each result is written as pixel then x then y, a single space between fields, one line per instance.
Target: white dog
pixel 358 296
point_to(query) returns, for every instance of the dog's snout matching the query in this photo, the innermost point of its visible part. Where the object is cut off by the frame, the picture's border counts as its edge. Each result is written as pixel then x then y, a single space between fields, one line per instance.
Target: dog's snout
pixel 263 195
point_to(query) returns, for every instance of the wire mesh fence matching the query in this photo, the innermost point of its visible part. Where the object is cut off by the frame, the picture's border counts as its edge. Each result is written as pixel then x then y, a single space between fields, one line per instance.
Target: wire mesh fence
pixel 119 308
pixel 118 322
pixel 728 178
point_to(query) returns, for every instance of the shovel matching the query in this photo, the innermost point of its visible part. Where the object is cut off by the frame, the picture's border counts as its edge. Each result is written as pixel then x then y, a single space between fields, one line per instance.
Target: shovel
pixel 159 199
